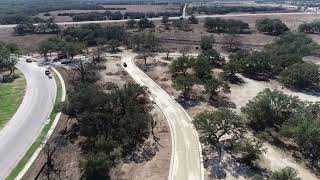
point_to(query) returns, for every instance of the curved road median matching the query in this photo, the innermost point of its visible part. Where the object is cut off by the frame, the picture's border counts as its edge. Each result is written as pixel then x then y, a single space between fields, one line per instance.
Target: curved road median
pixel 186 160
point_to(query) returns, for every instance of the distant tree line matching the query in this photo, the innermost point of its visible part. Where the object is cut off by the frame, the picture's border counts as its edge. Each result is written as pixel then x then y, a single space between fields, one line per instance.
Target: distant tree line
pixel 117 15
pixel 231 9
pixel 40 28
pixel 95 34
pixel 219 25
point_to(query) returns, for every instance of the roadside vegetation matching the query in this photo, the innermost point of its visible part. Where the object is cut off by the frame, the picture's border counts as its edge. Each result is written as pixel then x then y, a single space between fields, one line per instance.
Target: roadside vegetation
pixel 11 96
pixel 12 83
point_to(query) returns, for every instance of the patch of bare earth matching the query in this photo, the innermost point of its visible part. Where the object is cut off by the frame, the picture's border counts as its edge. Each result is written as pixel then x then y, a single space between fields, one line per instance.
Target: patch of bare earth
pixel 146 8
pixel 27 43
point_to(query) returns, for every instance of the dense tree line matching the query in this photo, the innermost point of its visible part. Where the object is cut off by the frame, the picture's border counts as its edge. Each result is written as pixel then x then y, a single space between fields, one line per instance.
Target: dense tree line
pixel 117 15
pixel 219 25
pixel 312 28
pixel 139 15
pixel 40 28
pixel 273 111
pixel 94 34
pixel 68 48
pixel 271 26
pixel 282 59
pixel 232 9
pixel 92 16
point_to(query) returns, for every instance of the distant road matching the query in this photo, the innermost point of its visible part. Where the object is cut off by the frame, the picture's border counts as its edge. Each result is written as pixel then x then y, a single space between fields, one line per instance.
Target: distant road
pixel 186 160
pixel 24 127
pixel 172 18
pixel 184 13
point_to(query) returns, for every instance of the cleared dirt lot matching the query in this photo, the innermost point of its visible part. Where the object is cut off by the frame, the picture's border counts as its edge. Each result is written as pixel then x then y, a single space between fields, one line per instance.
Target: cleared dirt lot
pixel 146 8
pixel 28 43
pixel 255 38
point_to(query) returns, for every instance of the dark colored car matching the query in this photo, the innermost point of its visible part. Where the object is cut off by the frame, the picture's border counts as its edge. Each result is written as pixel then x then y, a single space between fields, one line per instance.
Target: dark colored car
pixel 47 72
pixel 62 56
pixel 28 60
pixel 66 61
pixel 125 64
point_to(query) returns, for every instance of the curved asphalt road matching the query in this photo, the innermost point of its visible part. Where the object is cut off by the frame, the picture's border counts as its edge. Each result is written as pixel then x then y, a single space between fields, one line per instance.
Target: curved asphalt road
pixel 24 127
pixel 186 160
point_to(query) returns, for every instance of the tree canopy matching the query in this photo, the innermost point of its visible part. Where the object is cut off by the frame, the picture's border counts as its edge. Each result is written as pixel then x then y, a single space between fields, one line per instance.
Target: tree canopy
pixel 301 75
pixel 219 25
pixel 271 26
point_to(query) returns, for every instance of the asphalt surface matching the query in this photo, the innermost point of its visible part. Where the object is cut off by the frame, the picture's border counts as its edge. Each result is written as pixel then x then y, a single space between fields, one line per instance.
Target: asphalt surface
pixel 24 127
pixel 186 161
pixel 171 18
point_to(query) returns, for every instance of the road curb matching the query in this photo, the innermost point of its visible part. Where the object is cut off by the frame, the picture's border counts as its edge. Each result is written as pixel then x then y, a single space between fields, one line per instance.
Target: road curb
pixel 53 126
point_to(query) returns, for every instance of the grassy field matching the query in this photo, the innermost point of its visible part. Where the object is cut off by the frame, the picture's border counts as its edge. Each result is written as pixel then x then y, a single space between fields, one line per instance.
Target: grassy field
pixel 11 96
pixel 56 108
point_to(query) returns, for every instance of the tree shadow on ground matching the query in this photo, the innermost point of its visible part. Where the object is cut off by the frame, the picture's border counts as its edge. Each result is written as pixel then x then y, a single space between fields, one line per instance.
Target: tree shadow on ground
pixel 187 102
pixel 143 152
pixel 222 102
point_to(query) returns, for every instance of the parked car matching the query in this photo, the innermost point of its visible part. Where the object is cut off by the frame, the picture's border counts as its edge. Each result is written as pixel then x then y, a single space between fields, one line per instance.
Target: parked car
pixel 66 61
pixel 125 64
pixel 47 72
pixel 28 60
pixel 62 56
pixel 50 76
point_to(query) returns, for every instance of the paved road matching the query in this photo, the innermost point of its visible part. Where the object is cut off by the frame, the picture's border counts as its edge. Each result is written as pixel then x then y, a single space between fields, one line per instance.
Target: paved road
pixel 186 157
pixel 172 18
pixel 19 133
pixel 184 13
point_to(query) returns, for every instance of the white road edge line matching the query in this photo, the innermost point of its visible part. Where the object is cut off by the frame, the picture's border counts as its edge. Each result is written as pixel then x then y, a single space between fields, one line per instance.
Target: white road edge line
pixel 170 177
pixel 53 126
